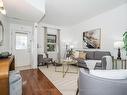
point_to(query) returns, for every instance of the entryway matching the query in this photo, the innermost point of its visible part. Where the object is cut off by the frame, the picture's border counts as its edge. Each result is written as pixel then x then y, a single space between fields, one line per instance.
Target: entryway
pixel 21 45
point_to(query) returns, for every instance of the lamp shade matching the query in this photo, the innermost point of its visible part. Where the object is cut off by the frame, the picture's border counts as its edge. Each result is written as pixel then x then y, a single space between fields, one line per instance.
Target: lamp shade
pixel 118 44
pixel 71 46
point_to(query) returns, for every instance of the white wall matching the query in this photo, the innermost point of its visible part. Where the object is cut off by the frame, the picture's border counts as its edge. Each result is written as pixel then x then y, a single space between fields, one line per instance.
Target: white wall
pixel 68 36
pixel 40 41
pixel 112 23
pixel 5 46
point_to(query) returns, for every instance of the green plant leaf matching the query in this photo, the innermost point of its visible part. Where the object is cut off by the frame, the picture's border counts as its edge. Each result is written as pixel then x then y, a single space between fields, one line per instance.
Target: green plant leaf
pixel 125 41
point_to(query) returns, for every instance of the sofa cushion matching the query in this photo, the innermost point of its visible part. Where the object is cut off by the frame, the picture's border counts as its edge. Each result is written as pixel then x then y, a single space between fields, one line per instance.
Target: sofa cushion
pixel 99 54
pixel 89 55
pixel 110 74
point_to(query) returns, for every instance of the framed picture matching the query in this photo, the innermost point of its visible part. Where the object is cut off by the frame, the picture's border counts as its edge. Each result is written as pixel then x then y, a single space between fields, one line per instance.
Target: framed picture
pixel 92 39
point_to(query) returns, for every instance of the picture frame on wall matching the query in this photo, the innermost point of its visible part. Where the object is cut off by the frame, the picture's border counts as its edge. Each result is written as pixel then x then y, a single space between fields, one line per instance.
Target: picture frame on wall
pixel 92 39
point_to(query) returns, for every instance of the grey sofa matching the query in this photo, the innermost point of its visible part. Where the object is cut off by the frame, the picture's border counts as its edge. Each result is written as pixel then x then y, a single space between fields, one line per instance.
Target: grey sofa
pixel 96 55
pixel 93 55
pixel 92 85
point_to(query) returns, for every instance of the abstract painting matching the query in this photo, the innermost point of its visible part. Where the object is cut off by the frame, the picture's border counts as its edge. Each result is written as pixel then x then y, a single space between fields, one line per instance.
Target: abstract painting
pixel 92 39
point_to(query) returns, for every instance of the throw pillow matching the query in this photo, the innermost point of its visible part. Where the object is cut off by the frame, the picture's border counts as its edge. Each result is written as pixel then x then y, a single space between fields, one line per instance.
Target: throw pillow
pixel 82 55
pixel 76 54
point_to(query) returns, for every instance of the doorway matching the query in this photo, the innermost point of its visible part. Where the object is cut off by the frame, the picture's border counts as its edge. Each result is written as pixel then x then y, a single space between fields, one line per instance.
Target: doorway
pixel 21 47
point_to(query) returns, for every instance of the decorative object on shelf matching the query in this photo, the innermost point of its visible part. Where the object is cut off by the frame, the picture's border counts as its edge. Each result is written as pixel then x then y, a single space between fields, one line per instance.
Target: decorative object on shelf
pixel 118 45
pixel 125 41
pixel 4 54
pixel 92 39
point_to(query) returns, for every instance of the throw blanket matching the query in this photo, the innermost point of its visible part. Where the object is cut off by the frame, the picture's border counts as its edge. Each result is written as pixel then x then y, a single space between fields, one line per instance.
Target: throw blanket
pixel 109 62
pixel 91 63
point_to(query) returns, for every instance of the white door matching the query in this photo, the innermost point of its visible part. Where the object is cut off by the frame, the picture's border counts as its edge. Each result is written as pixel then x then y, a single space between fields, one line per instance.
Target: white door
pixel 21 47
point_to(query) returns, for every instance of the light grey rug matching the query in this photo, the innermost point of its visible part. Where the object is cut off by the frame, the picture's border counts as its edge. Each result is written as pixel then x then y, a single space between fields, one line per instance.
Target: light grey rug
pixel 66 85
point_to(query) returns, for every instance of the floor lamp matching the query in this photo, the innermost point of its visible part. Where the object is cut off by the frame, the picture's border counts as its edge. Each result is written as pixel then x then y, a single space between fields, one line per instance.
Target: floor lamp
pixel 118 45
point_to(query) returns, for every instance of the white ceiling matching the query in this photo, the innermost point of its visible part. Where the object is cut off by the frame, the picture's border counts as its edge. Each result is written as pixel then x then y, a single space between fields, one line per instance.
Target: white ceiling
pixel 70 12
pixel 29 10
pixel 59 12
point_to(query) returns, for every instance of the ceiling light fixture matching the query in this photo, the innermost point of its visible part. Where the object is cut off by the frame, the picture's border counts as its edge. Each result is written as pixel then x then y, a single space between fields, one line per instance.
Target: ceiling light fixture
pixel 2 9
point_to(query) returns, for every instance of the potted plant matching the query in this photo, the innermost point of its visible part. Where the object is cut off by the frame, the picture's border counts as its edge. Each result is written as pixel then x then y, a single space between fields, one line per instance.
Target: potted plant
pixel 125 41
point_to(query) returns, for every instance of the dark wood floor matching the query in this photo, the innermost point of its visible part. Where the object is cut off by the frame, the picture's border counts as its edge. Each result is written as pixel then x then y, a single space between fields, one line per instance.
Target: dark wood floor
pixel 36 83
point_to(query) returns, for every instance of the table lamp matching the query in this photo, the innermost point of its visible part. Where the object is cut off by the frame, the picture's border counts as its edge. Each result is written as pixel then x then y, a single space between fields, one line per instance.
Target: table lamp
pixel 118 45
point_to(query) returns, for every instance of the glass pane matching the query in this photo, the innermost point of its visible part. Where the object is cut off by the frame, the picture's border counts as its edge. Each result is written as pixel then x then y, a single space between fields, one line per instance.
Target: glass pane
pixel 21 40
pixel 51 47
pixel 51 38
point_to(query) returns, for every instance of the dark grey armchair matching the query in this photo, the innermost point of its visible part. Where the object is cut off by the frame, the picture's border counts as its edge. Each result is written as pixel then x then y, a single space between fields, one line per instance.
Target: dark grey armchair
pixel 93 85
pixel 44 61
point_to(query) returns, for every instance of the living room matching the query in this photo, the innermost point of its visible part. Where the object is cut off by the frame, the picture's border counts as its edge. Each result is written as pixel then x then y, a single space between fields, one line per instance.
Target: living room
pixel 55 27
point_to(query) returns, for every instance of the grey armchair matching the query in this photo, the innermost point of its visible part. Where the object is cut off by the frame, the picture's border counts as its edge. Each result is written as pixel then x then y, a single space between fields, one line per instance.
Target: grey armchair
pixel 44 61
pixel 92 85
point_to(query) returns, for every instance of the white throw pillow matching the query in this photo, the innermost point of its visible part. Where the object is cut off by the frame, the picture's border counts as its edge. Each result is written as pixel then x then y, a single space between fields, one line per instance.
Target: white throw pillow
pixel 110 74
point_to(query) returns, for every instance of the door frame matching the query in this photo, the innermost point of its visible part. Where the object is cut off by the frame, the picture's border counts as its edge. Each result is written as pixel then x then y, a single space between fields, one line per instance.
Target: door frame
pixel 16 28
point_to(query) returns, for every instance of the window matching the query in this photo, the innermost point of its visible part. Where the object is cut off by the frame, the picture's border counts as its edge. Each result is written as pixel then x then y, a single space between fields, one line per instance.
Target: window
pixel 21 40
pixel 51 42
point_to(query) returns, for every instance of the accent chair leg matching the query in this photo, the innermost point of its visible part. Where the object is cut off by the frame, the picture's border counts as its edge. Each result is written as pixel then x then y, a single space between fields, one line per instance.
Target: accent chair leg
pixel 77 91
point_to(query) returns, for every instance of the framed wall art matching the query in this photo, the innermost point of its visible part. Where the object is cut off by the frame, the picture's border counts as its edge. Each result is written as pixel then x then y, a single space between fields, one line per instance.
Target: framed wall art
pixel 92 39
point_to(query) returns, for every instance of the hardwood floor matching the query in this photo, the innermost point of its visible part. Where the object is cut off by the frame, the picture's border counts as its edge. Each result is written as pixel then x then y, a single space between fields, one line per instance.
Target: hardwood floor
pixel 36 83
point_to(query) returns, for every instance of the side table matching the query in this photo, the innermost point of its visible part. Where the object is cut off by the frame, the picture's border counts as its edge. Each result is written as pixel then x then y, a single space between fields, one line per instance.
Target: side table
pixel 121 61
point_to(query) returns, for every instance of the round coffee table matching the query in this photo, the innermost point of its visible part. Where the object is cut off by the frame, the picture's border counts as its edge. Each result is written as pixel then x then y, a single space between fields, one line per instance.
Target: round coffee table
pixel 67 62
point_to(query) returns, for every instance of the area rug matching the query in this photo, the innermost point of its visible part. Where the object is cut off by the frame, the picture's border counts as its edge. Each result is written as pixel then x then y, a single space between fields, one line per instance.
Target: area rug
pixel 66 85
